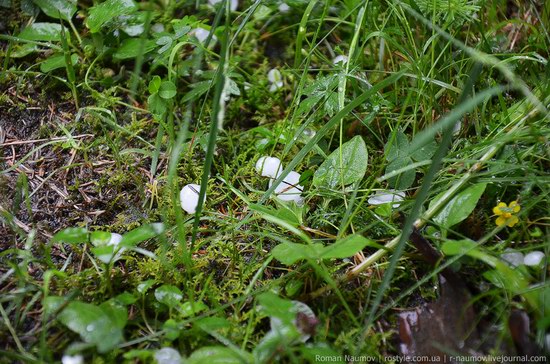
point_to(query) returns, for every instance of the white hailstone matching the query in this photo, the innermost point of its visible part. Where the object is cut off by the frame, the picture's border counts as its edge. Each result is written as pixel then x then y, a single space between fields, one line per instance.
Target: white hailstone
pixel 189 197
pixel 168 356
pixel 340 59
pixel 201 34
pixel 534 258
pixel 157 28
pixel 284 8
pixel 269 167
pixel 289 189
pixel 387 196
pixel 275 78
pixel 72 359
pixel 512 257
pixel 233 3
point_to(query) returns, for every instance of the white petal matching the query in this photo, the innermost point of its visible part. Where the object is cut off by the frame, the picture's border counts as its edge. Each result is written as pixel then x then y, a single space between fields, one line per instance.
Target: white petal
pixel 269 166
pixel 72 359
pixel 115 239
pixel 340 59
pixel 512 257
pixel 233 6
pixel 201 34
pixel 386 196
pixel 534 258
pixel 284 8
pixel 189 198
pixel 274 76
pixel 168 356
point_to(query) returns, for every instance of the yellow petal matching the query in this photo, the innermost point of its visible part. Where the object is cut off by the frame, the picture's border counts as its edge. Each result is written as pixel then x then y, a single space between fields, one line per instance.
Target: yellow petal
pixel 514 205
pixel 512 221
pixel 497 211
pixel 500 221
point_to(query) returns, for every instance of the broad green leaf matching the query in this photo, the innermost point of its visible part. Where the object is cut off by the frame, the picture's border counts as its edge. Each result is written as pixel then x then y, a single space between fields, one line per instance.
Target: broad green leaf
pixel 425 152
pixel 397 146
pixel 104 253
pixel 156 105
pixel 141 233
pixel 58 9
pixel 101 326
pixel 345 247
pixel 165 42
pixel 154 85
pixel 460 206
pixel 167 90
pixel 131 47
pixel 72 235
pixel 106 11
pixel 290 253
pixel 169 295
pixel 198 90
pixel 52 303
pixel 346 165
pixel 55 62
pixel 99 238
pixel 144 286
pixel 470 248
pixel 403 180
pixel 126 298
pixel 191 308
pixel 171 329
pixel 48 32
pixel 23 50
pixel 219 355
pixel 274 306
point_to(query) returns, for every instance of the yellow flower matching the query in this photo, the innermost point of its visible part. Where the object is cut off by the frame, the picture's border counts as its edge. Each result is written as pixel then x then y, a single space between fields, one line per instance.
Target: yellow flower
pixel 506 213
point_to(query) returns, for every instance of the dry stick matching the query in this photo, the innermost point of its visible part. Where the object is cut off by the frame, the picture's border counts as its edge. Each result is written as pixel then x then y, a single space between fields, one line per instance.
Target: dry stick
pixel 420 222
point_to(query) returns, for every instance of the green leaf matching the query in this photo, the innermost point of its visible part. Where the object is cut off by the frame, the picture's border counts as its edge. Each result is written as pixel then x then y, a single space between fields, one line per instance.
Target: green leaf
pixel 289 253
pixel 425 152
pixel 346 165
pixel 169 295
pixel 131 47
pixel 460 206
pixel 72 235
pixel 219 355
pixel 101 326
pixel 191 308
pixel 167 90
pixel 49 32
pixel 104 253
pixel 100 238
pixel 403 180
pixel 55 62
pixel 141 233
pixel 144 286
pixel 397 146
pixel 156 105
pixel 345 247
pixel 171 329
pixel 165 42
pixel 52 303
pixel 104 12
pixel 57 9
pixel 154 85
pixel 470 248
pixel 198 90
